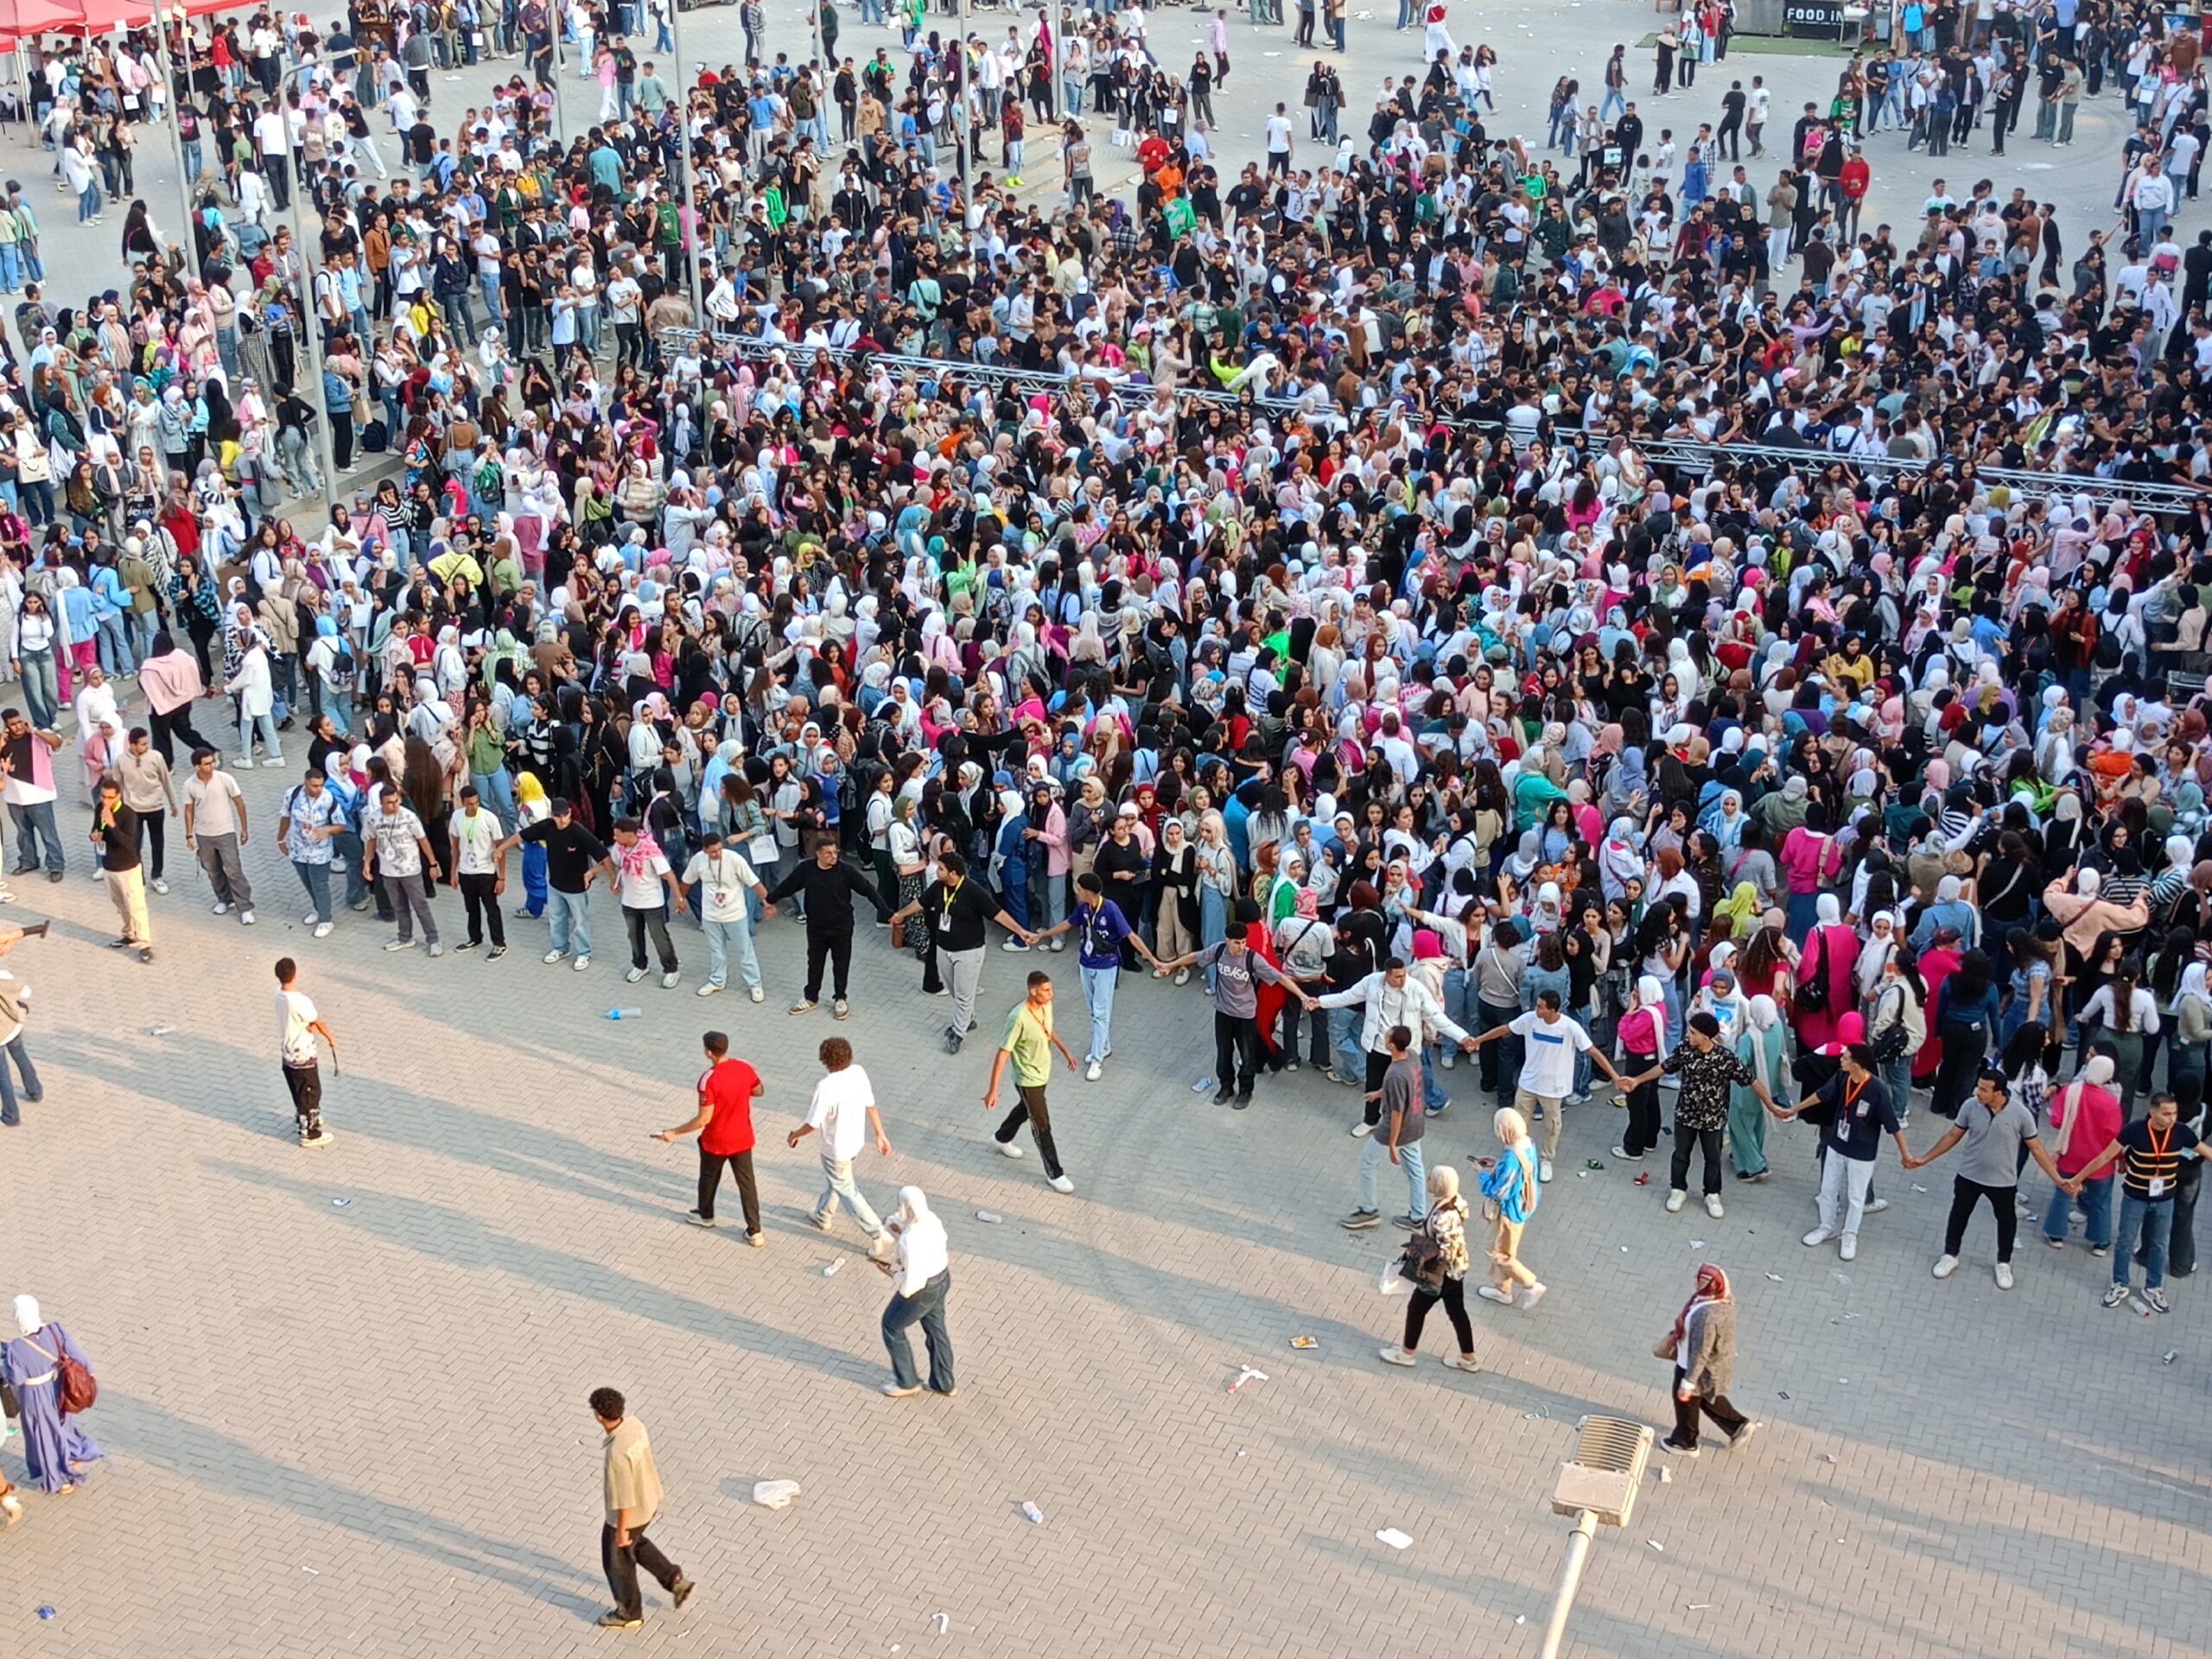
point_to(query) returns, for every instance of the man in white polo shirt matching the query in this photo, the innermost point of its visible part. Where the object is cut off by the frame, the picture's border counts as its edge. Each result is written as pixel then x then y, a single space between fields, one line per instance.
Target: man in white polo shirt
pixel 1549 1042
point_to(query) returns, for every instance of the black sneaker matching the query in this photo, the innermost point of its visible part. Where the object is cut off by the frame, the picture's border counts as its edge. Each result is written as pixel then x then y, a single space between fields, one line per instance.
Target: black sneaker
pixel 1242 1100
pixel 952 1040
pixel 1222 1097
pixel 613 1620
pixel 495 953
pixel 1360 1220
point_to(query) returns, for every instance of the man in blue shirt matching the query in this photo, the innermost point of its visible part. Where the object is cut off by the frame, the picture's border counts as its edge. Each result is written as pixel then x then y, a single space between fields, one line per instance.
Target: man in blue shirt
pixel 1099 927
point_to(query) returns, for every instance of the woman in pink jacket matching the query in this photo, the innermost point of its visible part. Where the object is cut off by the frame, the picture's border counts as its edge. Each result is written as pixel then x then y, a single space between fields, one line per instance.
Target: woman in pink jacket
pixel 1830 952
pixel 2085 1116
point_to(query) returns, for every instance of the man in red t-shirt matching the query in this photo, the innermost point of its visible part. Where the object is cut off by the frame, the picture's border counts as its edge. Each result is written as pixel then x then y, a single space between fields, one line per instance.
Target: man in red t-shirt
pixel 724 1121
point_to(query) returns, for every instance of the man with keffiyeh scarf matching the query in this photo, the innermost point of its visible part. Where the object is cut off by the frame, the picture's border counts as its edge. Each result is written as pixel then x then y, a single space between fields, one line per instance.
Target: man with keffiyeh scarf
pixel 647 886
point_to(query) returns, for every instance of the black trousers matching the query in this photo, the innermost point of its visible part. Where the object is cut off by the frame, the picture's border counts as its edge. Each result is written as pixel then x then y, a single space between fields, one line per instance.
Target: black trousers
pixel 1371 1109
pixel 1453 1295
pixel 152 842
pixel 176 726
pixel 1235 1043
pixel 655 921
pixel 305 1083
pixel 622 1562
pixel 483 907
pixel 1965 1194
pixel 710 1179
pixel 1708 1140
pixel 1029 1108
pixel 1725 1417
pixel 837 948
pixel 1643 1119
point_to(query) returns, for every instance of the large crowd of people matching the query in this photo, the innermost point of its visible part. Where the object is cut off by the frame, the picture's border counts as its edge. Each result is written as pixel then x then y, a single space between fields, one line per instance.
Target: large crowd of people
pixel 1279 574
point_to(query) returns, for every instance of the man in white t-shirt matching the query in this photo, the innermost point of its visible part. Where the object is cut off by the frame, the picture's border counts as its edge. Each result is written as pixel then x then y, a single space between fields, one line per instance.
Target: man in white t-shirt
pixel 481 864
pixel 1279 142
pixel 843 1112
pixel 214 829
pixel 298 1026
pixel 723 879
pixel 398 854
pixel 647 886
pixel 1550 1043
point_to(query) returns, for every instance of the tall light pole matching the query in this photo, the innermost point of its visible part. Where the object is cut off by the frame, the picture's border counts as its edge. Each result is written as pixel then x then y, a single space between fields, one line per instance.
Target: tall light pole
pixel 166 61
pixel 963 129
pixel 686 169
pixel 310 333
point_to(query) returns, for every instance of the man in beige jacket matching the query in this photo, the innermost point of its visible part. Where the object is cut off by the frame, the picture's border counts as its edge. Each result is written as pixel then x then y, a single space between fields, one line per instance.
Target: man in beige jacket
pixel 633 1494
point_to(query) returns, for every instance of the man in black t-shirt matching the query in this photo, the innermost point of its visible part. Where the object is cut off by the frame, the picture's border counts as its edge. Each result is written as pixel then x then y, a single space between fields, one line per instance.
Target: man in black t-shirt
pixel 1855 1113
pixel 572 854
pixel 958 913
pixel 829 885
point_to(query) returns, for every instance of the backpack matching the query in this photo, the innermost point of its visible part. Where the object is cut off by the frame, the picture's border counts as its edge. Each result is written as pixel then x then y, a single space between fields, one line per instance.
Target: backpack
pixel 2107 652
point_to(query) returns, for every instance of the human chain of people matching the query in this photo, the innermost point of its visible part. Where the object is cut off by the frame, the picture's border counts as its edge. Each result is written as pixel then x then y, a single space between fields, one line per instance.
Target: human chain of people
pixel 781 545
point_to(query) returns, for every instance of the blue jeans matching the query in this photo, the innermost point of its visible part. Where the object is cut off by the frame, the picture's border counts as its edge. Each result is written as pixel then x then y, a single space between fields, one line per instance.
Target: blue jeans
pixel 2156 1222
pixel 88 202
pixel 347 845
pixel 1344 1037
pixel 116 655
pixel 838 1183
pixel 1433 1098
pixel 926 1307
pixel 33 1091
pixel 2096 1200
pixel 494 789
pixel 1371 1153
pixel 719 936
pixel 1098 984
pixel 271 744
pixel 42 687
pixel 35 824
pixel 11 268
pixel 315 878
pixel 571 915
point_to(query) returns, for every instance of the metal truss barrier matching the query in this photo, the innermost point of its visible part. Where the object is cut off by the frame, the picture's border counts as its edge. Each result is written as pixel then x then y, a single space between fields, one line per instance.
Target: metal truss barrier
pixel 1682 453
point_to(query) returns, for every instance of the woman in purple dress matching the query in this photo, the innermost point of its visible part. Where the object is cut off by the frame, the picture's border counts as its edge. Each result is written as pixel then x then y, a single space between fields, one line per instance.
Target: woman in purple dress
pixel 56 1449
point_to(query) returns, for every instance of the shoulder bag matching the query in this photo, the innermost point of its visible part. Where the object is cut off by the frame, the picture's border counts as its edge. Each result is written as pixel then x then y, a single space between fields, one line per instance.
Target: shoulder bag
pixel 75 1389
pixel 1812 988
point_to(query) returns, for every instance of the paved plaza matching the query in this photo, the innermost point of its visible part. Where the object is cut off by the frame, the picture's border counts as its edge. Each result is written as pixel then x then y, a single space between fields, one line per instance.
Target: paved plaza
pixel 342 1391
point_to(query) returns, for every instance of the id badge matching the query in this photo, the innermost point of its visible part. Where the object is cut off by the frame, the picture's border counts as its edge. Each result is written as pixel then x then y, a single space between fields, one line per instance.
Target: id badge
pixel 944 921
pixel 2157 1186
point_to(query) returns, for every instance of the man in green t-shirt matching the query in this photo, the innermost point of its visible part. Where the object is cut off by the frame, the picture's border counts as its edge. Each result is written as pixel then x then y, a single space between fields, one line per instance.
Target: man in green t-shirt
pixel 1029 1042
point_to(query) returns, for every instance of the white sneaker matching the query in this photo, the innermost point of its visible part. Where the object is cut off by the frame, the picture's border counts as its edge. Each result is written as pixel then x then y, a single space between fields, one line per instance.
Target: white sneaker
pixel 758 994
pixel 310 920
pixel 241 765
pixel 1675 1200
pixel 439 948
pixel 1946 1265
pixel 399 944
pixel 1093 1072
pixel 1712 1206
pixel 1061 1184
pixel 161 886
pixel 1447 1061
pixel 1544 1169
pixel 1361 1129
pixel 668 980
pixel 1531 1296
pixel 552 957
pixel 1875 1206
pixel 2004 1275
pixel 221 907
pixel 1007 1149
pixel 582 963
pixel 1849 1248
pixel 1820 1235
pixel 322 930
pixel 708 990
pixel 634 974
pixel 246 917
pixel 1492 1293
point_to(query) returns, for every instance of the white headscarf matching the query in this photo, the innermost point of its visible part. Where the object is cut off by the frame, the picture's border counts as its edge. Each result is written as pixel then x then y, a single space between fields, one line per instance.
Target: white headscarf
pixel 27 1316
pixel 921 1248
pixel 1650 993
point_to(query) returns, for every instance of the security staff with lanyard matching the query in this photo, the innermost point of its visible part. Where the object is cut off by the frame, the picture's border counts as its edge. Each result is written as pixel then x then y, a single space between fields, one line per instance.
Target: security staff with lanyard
pixel 958 912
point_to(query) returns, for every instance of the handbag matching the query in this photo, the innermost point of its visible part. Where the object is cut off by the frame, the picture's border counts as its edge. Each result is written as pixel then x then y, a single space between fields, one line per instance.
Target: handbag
pixel 75 1389
pixel 1424 1261
pixel 1812 988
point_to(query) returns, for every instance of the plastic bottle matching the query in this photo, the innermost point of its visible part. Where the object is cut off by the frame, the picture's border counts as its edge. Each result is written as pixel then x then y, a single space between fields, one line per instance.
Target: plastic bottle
pixel 625 1014
pixel 1033 1511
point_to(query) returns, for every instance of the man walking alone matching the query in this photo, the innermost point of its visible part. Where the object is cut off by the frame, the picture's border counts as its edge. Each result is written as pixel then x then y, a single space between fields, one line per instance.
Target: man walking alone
pixel 631 1488
pixel 724 1121
pixel 844 1110
pixel 1029 1042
